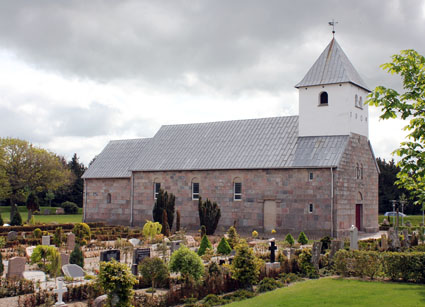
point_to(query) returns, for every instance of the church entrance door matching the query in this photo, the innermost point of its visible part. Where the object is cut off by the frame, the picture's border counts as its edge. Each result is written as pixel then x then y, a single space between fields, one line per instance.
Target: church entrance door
pixel 359 216
pixel 269 215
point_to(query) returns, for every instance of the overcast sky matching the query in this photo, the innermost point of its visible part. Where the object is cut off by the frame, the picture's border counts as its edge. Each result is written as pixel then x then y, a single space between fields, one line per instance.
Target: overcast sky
pixel 76 74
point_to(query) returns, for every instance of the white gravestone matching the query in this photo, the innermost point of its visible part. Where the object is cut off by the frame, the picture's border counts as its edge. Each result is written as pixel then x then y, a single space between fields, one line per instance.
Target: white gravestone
pixel 134 242
pixel 45 240
pixel 60 291
pixel 354 240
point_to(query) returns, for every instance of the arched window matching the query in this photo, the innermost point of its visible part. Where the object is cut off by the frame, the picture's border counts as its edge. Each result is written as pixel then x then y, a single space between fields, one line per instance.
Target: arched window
pixel 310 208
pixel 323 98
pixel 356 100
pixel 361 171
pixel 361 102
pixel 108 198
pixel 237 189
pixel 195 188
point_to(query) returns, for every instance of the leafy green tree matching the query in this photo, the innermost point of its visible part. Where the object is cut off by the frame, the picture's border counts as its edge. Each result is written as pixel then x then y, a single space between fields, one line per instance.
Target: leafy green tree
pixel 209 215
pixel 187 263
pixel 49 197
pixel 164 201
pixel 223 247
pixel 290 239
pixel 46 258
pixel 117 281
pixel 205 243
pixel 4 181
pixel 151 229
pixel 302 238
pixel 245 266
pixel 409 106
pixel 76 256
pixel 153 271
pixel 32 204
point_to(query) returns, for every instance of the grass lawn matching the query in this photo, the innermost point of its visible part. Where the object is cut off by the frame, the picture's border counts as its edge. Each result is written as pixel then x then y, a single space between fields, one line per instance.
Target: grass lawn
pixel 341 292
pixel 414 219
pixel 60 219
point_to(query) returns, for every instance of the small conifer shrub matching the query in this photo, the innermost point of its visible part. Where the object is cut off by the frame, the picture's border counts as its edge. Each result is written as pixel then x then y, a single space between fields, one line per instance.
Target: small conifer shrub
pixel 290 239
pixel 223 247
pixel 205 243
pixel 302 238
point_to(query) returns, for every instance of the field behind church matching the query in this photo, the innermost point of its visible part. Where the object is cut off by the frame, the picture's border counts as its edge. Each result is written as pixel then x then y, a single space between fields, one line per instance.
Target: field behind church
pixel 51 218
pixel 340 292
pixel 415 220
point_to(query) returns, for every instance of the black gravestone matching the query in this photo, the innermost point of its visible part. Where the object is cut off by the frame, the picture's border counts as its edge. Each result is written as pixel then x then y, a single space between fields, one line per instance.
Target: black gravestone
pixel 110 254
pixel 272 249
pixel 138 255
pixel 222 261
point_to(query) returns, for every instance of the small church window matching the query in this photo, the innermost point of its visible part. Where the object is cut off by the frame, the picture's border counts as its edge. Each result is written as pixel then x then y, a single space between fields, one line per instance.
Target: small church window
pixel 356 100
pixel 323 98
pixel 237 189
pixel 361 102
pixel 310 208
pixel 357 171
pixel 156 188
pixel 310 176
pixel 361 171
pixel 195 189
pixel 108 198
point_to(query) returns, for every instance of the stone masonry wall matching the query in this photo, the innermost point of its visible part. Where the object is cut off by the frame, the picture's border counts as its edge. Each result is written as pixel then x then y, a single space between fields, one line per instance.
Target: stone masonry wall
pixel 290 188
pixel 98 210
pixel 350 190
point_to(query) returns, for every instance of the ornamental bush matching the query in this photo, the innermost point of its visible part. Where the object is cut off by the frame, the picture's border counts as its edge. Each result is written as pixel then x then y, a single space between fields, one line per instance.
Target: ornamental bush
pixel 76 256
pixel 57 237
pixel 290 239
pixel 269 284
pixel 151 229
pixel 37 233
pixel 404 266
pixel 164 201
pixel 305 265
pixel 205 244
pixel 302 238
pixel 16 218
pixel 154 271
pixel 245 266
pixel 233 236
pixel 223 247
pixel 69 207
pixel 358 263
pixel 82 233
pixel 117 281
pixel 187 263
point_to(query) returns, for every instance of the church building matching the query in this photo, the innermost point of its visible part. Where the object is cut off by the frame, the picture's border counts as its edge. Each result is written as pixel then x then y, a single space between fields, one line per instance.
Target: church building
pixel 315 172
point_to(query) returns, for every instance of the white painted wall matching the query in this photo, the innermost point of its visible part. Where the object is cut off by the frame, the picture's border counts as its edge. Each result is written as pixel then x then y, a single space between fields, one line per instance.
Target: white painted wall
pixel 339 117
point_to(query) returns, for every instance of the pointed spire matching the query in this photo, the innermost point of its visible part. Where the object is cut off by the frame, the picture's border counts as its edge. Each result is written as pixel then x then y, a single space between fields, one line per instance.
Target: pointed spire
pixel 333 66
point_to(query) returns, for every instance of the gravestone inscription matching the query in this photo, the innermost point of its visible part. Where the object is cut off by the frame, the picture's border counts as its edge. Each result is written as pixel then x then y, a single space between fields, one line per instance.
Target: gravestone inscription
pixel 110 254
pixel 138 255
pixel 45 240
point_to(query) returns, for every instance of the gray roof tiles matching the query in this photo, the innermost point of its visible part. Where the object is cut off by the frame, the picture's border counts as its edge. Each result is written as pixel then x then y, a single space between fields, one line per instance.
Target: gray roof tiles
pixel 332 66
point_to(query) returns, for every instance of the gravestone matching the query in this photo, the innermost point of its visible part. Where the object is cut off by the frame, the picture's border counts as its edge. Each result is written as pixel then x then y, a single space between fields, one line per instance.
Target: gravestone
pixel 73 270
pixel 134 242
pixel 406 242
pixel 70 241
pixel 354 238
pixel 385 222
pixel 45 240
pixel 60 211
pixel 394 239
pixel 175 245
pixel 110 254
pixel 12 236
pixel 384 242
pixel 336 245
pixel 221 261
pixel 29 250
pixel 190 241
pixel 60 291
pixel 34 276
pixel 100 301
pixel 272 249
pixel 287 253
pixel 138 255
pixel 64 259
pixel 315 254
pixel 16 267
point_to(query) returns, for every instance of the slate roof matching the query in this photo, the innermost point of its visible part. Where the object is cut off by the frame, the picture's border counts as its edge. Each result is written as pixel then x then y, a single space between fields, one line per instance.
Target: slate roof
pixel 238 144
pixel 115 159
pixel 333 66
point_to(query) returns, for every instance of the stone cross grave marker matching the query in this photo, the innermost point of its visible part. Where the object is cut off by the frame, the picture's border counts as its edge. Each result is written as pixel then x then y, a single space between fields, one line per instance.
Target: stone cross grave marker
pixel 110 254
pixel 315 257
pixel 336 245
pixel 12 236
pixel 354 237
pixel 70 241
pixel 272 249
pixel 60 291
pixel 175 245
pixel 73 270
pixel 393 236
pixel 384 242
pixel 16 267
pixel 45 240
pixel 138 255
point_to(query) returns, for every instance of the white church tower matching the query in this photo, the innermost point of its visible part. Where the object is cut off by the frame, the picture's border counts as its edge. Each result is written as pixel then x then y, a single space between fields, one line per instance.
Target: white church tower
pixel 332 96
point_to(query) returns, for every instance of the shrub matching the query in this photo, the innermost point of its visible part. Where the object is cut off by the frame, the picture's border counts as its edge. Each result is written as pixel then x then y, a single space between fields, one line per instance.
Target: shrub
pixel 288 278
pixel 1 220
pixel 233 237
pixel 326 244
pixel 164 201
pixel 205 243
pixel 212 300
pixel 302 238
pixel 358 263
pixel 405 266
pixel 223 247
pixel 151 229
pixel 82 233
pixel 16 218
pixel 245 266
pixel 76 256
pixel 209 215
pixel 238 295
pixel 57 237
pixel 37 233
pixel 46 257
pixel 203 231
pixel 187 262
pixel 178 221
pixel 268 284
pixel 290 239
pixel 69 207
pixel 153 271
pixel 254 234
pixel 305 265
pixel 117 281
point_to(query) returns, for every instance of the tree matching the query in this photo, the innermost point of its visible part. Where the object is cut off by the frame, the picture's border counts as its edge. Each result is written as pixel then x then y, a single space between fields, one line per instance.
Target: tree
pixel 290 239
pixel 165 227
pixel 205 243
pixel 223 247
pixel 186 262
pixel 409 106
pixel 209 215
pixel 233 236
pixel 82 233
pixel 117 281
pixel 151 229
pixel 49 197
pixel 15 219
pixel 4 181
pixel 32 204
pixel 245 266
pixel 153 271
pixel 164 201
pixel 302 238
pixel 77 256
pixel 46 257
pixel 30 169
pixel 77 186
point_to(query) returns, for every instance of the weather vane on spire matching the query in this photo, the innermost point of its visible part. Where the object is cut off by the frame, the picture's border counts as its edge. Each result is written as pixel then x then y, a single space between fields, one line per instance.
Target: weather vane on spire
pixel 332 24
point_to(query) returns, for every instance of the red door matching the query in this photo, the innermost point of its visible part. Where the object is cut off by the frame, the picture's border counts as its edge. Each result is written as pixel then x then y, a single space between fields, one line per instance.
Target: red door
pixel 358 216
